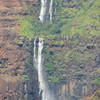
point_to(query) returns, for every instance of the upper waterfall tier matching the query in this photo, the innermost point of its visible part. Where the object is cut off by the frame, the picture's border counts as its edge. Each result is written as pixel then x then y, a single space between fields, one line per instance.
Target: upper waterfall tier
pixel 46 12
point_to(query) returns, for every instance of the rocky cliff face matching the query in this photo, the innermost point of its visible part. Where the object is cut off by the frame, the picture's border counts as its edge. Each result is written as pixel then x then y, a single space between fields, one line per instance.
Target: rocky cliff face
pixel 14 54
pixel 75 67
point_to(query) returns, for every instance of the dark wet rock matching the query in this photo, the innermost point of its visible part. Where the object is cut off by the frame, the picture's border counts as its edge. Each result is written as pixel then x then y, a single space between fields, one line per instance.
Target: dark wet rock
pixel 20 45
pixel 3 60
pixel 73 98
pixel 91 47
pixel 35 4
pixel 97 59
pixel 1 66
pixel 80 76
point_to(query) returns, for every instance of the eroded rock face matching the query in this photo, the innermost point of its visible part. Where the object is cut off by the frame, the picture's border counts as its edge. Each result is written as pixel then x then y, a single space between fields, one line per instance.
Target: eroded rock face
pixel 74 90
pixel 78 75
pixel 11 90
pixel 14 53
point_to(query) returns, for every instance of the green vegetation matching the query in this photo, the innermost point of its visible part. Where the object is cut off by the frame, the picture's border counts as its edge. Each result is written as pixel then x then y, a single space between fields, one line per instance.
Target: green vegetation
pixel 97 81
pixel 53 79
pixel 71 19
pixel 31 27
pixel 79 58
pixel 68 64
pixel 83 19
pixel 49 67
pixel 25 78
pixel 96 98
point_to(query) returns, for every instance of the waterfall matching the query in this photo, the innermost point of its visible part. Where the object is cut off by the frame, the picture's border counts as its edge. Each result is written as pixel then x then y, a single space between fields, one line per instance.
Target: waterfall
pixel 34 51
pixel 26 91
pixel 43 85
pixel 46 10
pixel 39 65
pixel 43 10
pixel 51 10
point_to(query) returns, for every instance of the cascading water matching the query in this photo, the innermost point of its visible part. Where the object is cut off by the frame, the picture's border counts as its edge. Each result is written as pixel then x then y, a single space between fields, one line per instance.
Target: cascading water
pixel 39 65
pixel 51 10
pixel 44 91
pixel 46 10
pixel 43 85
pixel 34 51
pixel 43 10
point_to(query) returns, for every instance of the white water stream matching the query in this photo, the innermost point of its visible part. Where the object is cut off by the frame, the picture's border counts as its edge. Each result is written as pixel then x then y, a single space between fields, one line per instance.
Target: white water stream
pixel 34 51
pixel 46 7
pixel 51 10
pixel 43 85
pixel 43 10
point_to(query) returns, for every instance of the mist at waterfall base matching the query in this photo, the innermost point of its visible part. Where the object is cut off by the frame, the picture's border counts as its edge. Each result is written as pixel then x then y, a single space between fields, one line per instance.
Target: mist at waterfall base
pixel 44 90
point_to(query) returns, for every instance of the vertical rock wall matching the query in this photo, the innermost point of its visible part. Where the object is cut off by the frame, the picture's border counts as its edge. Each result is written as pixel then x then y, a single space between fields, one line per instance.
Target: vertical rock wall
pixel 14 53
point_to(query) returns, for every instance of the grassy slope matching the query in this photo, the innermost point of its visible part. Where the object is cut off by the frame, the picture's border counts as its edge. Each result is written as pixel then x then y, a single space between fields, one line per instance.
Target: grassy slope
pixel 86 21
pixel 82 19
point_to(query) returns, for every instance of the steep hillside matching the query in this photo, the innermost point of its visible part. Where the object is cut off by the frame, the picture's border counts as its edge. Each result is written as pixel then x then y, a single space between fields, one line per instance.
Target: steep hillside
pixel 71 53
pixel 71 49
pixel 73 17
pixel 13 50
